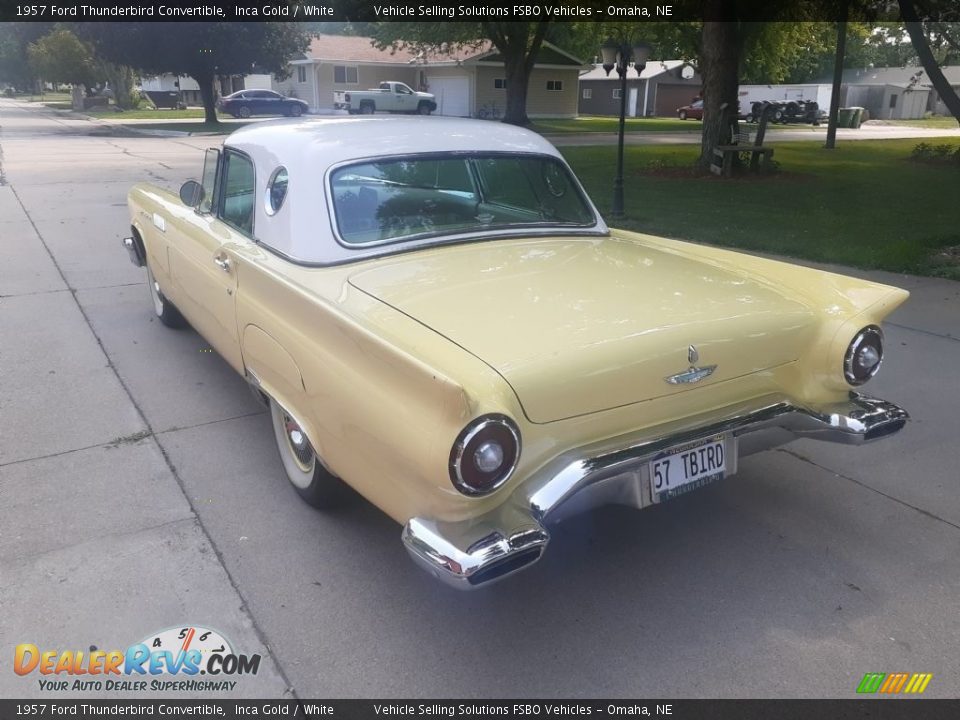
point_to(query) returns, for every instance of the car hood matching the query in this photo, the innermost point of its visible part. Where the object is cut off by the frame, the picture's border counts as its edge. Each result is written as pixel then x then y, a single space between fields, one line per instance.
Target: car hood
pixel 581 325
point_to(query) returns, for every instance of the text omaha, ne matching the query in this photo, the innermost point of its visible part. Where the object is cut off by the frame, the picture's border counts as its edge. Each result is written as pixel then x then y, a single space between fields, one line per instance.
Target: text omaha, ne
pixel 520 11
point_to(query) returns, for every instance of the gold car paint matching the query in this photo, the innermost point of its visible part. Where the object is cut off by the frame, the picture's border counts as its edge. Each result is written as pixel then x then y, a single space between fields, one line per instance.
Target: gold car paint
pixel 384 396
pixel 581 325
pixel 183 259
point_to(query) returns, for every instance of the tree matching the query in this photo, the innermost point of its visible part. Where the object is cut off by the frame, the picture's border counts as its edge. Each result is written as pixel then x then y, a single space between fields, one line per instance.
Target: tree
pixel 63 58
pixel 517 42
pixel 14 40
pixel 921 43
pixel 200 50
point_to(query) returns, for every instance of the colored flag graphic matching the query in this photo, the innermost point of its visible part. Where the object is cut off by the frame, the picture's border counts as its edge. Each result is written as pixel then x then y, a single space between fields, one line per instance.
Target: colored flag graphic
pixel 894 683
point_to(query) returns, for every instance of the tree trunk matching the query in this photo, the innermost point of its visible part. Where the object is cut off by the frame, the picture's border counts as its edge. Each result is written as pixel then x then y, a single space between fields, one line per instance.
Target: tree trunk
pixel 719 67
pixel 518 80
pixel 519 45
pixel 837 81
pixel 912 22
pixel 207 95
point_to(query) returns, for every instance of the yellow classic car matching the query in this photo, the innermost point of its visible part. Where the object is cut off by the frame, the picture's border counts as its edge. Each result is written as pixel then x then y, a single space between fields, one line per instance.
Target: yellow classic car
pixel 437 315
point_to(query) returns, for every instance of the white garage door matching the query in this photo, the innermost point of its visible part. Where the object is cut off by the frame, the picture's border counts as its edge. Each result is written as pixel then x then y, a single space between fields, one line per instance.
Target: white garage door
pixel 453 95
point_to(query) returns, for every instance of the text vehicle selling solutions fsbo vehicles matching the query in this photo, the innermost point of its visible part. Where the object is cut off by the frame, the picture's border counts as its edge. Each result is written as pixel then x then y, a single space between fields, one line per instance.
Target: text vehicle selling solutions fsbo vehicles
pixel 437 315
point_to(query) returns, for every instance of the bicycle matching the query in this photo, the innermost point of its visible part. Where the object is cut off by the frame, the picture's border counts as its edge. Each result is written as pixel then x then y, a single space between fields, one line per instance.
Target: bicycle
pixel 488 112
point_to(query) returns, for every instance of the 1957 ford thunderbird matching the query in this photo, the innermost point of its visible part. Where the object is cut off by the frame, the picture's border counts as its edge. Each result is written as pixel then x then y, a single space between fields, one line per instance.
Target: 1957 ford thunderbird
pixel 437 315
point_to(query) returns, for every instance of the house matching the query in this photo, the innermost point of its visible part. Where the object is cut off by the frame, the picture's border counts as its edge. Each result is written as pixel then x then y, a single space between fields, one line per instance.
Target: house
pixel 895 92
pixel 190 91
pixel 662 87
pixel 465 80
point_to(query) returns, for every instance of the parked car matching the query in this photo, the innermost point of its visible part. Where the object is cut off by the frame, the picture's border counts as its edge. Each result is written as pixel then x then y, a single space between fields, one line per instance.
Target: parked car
pixel 694 111
pixel 395 97
pixel 244 103
pixel 444 321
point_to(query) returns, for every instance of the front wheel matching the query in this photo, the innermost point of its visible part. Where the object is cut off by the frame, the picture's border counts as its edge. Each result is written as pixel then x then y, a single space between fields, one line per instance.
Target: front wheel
pixel 305 471
pixel 165 310
pixel 683 115
pixel 296 110
pixel 424 109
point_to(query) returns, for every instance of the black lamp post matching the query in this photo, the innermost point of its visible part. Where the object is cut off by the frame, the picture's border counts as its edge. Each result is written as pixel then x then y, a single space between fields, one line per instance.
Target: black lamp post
pixel 619 55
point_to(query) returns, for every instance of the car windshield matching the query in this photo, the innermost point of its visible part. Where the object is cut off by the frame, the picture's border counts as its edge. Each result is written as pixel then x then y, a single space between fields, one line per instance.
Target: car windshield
pixel 379 202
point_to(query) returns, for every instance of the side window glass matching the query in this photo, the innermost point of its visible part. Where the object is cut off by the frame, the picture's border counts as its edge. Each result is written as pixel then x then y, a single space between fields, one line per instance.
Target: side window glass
pixel 238 191
pixel 209 181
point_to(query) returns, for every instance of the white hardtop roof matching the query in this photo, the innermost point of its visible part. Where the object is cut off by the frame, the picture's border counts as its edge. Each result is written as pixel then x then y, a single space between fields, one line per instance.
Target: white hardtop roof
pixel 302 229
pixel 334 140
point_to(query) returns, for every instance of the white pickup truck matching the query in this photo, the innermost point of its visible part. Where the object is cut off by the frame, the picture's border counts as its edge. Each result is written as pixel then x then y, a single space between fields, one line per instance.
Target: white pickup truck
pixel 389 97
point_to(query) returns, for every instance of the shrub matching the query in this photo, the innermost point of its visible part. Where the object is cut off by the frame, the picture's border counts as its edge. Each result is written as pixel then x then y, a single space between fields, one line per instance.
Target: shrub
pixel 943 154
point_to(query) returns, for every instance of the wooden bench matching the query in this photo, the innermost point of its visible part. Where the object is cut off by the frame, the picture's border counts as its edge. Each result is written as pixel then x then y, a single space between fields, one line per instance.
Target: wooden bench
pixel 723 157
pixel 760 154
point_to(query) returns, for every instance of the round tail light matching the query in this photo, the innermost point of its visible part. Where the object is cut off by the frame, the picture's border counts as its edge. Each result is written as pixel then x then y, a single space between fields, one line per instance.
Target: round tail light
pixel 484 455
pixel 864 355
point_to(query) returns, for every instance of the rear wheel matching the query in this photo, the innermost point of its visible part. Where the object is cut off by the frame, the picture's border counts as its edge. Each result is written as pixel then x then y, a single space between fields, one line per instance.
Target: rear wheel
pixel 165 310
pixel 305 471
pixel 244 112
pixel 366 108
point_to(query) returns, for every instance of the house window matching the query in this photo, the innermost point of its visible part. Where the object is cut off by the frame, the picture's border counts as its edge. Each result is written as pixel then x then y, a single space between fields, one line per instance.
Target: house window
pixel 587 93
pixel 617 94
pixel 555 85
pixel 500 83
pixel 344 75
pixel 301 73
pixel 893 101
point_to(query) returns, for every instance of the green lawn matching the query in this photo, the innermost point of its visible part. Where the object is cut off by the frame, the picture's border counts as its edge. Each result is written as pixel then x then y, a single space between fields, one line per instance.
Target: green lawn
pixel 864 204
pixel 595 124
pixel 46 97
pixel 188 114
pixel 938 121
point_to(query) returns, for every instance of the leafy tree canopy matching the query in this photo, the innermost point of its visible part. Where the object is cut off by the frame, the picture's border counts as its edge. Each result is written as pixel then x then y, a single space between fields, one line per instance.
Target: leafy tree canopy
pixel 200 50
pixel 63 58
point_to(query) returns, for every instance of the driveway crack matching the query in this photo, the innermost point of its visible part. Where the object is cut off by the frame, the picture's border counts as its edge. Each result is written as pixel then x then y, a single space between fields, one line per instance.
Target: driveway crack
pixel 927 513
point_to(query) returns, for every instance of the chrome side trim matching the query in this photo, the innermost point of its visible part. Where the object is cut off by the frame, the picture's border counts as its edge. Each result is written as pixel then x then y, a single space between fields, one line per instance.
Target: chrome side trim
pixel 512 536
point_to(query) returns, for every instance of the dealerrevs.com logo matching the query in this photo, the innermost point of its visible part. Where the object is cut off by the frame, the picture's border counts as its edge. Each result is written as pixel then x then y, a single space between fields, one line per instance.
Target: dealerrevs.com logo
pixel 170 660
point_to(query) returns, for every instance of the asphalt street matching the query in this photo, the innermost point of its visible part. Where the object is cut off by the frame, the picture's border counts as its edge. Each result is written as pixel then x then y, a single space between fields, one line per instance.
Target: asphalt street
pixel 140 489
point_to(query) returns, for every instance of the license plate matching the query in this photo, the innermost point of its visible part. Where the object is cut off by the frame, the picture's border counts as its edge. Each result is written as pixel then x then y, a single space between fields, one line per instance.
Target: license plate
pixel 688 467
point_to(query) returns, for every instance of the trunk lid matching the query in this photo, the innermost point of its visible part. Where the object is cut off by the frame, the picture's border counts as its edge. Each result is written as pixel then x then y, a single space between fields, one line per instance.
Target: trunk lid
pixel 580 325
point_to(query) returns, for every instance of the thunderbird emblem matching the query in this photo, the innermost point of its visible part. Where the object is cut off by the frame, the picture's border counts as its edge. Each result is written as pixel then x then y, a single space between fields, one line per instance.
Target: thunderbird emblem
pixel 693 373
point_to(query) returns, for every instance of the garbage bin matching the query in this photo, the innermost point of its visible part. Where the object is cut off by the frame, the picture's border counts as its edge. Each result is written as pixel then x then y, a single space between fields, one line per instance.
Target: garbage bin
pixel 845 117
pixel 857 117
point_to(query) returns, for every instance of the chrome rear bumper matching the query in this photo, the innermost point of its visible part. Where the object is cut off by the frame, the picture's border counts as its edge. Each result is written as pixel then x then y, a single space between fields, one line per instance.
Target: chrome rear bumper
pixel 513 536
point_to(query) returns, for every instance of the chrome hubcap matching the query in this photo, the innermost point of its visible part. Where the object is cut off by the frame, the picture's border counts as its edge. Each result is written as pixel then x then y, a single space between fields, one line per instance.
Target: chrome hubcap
pixel 155 293
pixel 300 447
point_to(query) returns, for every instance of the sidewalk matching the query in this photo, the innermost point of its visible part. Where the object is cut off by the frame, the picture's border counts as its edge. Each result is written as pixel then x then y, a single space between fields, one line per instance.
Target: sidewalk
pixel 99 545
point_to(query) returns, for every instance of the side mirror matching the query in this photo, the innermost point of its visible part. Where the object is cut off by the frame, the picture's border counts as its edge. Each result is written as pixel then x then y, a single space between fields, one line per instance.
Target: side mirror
pixel 191 193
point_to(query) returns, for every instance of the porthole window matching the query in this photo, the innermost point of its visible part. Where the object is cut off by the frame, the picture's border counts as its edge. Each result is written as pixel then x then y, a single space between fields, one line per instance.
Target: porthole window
pixel 276 191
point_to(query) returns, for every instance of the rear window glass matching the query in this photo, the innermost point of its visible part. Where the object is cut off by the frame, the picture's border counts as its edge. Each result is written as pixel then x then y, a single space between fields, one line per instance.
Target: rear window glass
pixel 393 200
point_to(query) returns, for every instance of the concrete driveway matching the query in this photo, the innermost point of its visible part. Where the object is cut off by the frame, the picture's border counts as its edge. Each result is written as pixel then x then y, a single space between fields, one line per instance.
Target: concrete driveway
pixel 140 490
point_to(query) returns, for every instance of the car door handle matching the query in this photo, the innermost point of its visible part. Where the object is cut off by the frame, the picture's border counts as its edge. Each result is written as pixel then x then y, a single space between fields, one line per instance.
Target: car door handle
pixel 222 262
